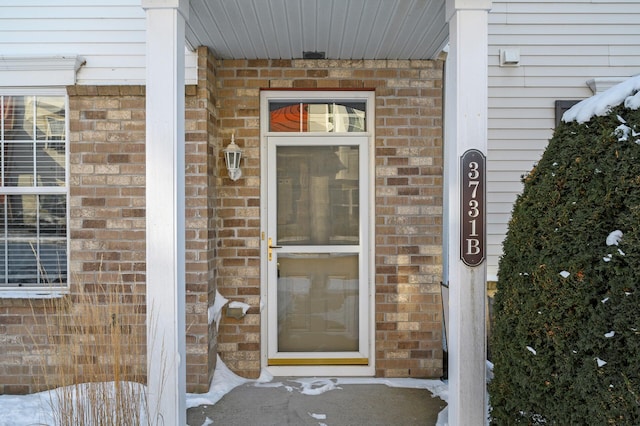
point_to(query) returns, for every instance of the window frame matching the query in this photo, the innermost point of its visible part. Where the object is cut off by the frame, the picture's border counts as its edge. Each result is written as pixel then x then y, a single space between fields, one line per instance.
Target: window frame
pixel 36 287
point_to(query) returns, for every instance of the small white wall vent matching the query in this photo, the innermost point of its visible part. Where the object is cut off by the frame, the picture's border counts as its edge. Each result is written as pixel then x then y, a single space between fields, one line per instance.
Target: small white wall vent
pixel 510 57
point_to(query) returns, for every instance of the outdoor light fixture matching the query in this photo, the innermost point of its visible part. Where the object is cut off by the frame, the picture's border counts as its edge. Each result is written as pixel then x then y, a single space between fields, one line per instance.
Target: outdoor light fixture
pixel 232 156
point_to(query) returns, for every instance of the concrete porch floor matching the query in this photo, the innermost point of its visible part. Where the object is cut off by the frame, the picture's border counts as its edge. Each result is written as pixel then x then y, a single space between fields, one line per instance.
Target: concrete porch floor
pixel 282 402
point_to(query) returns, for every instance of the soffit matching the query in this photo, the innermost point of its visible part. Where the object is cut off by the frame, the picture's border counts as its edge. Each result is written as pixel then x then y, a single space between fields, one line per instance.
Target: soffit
pixel 343 29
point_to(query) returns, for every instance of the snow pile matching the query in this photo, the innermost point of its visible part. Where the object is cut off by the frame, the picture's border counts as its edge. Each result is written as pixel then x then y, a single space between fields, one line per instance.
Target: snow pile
pixel 215 311
pixel 600 104
pixel 224 381
pixel 38 408
pixel 244 306
pixel 26 409
pixel 614 238
pixel 623 131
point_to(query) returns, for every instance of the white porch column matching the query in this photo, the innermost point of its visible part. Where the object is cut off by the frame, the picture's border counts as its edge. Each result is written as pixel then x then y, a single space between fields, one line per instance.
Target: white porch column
pixel 165 206
pixel 465 128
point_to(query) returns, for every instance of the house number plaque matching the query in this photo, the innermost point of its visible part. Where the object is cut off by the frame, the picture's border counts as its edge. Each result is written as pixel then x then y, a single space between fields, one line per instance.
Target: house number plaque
pixel 472 208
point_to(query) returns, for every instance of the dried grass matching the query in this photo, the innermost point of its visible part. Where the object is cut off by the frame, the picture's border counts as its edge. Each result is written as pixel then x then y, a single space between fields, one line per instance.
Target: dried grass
pixel 95 366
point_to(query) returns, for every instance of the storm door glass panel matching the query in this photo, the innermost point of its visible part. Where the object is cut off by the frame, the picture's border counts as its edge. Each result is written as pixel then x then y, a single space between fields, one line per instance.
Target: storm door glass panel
pixel 318 195
pixel 318 302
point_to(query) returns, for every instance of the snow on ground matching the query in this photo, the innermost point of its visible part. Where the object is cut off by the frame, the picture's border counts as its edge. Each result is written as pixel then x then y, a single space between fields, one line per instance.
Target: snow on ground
pixel 18 410
pixel 37 409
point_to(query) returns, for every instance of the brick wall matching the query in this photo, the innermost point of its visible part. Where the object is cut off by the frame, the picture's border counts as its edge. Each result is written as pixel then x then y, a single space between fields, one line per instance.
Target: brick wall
pixel 21 354
pixel 408 224
pixel 107 239
pixel 107 202
pixel 107 210
pixel 201 152
pixel 106 229
pixel 111 163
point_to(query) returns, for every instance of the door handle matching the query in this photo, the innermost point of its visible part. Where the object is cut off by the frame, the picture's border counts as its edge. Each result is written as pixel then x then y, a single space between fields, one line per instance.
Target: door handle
pixel 270 249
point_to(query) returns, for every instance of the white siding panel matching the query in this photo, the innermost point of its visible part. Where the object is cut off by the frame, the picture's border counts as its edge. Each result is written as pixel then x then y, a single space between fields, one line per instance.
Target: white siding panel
pixel 564 81
pixel 510 146
pixel 550 61
pixel 510 80
pixel 110 36
pixel 538 76
pixel 525 122
pixel 578 90
pixel 625 61
pixel 501 208
pixel 559 27
pixel 518 10
pixel 513 154
pixel 517 113
pixel 497 134
pixel 498 219
pixel 53 39
pixel 623 50
pixel 517 103
pixel 516 174
pixel 502 197
pixel 122 11
pixel 577 39
pixel 562 45
pixel 562 23
pixel 560 52
pixel 514 186
pixel 506 166
pixel 559 62
pixel 20 25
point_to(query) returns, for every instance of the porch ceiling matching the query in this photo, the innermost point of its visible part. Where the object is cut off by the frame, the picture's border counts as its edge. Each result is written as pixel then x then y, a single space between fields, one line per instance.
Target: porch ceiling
pixel 343 29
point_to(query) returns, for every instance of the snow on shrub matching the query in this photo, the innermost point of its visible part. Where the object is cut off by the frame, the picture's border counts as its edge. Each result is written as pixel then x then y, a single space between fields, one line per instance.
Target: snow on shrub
pixel 566 334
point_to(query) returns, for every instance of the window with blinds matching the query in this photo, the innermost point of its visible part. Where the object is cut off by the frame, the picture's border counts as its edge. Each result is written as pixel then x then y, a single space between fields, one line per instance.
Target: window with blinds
pixel 33 191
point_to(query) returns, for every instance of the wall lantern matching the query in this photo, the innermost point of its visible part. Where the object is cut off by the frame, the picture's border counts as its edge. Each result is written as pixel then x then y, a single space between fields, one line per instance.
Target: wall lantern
pixel 232 157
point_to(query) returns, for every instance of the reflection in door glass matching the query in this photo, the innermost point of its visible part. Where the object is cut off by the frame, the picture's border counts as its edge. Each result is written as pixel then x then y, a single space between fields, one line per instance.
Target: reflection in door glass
pixel 318 195
pixel 318 303
pixel 317 117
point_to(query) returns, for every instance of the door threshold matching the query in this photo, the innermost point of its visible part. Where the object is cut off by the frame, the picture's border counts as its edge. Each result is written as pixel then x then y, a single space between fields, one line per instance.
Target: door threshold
pixel 321 370
pixel 317 361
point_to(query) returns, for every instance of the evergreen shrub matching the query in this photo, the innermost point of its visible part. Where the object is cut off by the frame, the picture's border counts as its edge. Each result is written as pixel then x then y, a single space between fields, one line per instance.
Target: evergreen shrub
pixel 566 334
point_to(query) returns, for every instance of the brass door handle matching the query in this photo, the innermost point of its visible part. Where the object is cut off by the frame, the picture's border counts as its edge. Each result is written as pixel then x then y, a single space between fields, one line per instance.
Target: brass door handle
pixel 270 249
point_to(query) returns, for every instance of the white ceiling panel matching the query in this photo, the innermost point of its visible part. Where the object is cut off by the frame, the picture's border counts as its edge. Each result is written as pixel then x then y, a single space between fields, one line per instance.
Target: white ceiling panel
pixel 342 29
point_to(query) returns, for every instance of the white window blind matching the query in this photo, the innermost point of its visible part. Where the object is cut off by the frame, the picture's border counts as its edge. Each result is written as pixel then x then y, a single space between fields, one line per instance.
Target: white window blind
pixel 33 190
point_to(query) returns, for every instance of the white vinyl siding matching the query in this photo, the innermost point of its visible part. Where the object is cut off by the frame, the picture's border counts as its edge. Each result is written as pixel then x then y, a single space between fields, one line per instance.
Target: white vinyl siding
pixel 110 36
pixel 562 44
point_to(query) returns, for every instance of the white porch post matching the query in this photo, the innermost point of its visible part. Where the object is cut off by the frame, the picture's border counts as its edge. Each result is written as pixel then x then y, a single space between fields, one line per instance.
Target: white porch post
pixel 165 206
pixel 465 128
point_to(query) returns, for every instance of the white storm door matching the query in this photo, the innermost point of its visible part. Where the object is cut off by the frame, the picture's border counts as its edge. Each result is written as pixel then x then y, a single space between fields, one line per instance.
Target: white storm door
pixel 317 231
